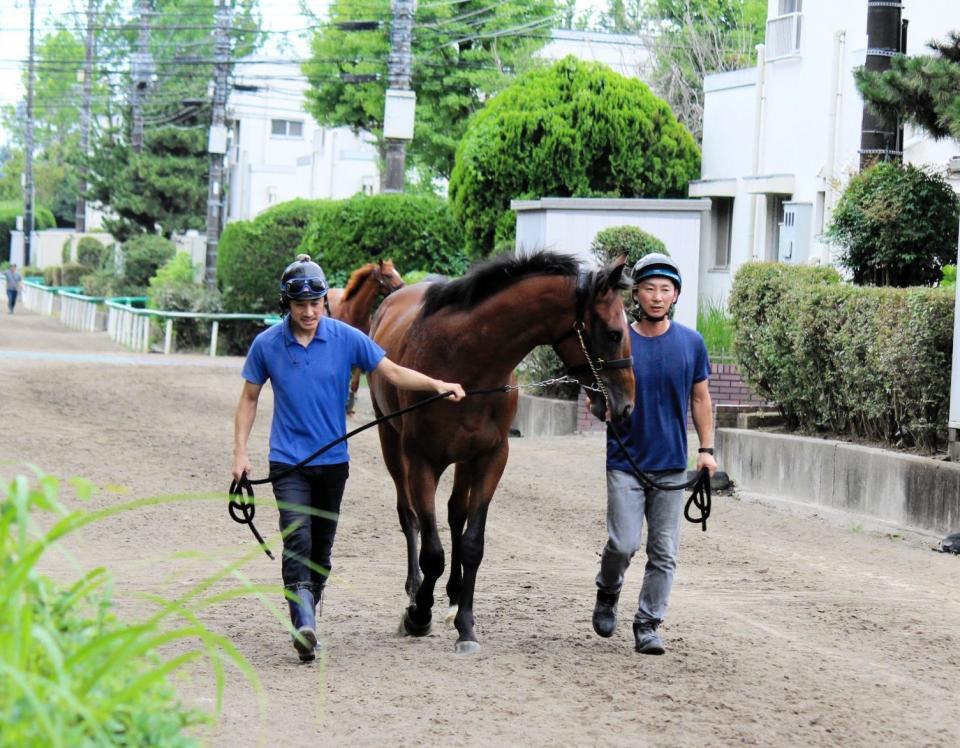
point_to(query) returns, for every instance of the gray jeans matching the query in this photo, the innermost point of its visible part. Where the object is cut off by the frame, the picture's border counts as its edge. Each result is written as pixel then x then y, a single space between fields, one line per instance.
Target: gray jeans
pixel 627 505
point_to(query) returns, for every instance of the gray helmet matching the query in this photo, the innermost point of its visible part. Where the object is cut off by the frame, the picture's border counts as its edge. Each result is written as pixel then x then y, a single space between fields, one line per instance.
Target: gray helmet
pixel 302 280
pixel 658 265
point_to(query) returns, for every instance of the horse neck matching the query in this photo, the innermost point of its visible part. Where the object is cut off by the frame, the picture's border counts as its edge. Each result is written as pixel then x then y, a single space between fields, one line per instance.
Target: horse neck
pixel 356 310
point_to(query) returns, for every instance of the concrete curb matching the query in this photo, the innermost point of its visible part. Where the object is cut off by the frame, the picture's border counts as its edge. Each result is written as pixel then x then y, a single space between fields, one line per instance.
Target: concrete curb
pixel 902 490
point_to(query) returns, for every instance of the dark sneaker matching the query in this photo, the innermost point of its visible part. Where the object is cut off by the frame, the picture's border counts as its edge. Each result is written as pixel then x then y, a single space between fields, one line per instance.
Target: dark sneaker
pixel 605 613
pixel 647 639
pixel 303 618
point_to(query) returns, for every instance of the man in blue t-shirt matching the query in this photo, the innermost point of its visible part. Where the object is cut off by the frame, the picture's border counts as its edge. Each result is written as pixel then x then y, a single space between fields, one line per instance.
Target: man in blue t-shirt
pixel 308 359
pixel 671 369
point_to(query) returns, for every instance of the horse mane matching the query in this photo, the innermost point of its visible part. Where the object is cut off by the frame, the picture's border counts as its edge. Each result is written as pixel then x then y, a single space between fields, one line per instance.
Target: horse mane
pixel 357 277
pixel 487 278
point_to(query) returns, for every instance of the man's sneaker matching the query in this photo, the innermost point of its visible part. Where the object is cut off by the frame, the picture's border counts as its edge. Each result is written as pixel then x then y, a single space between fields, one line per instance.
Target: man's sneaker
pixel 605 613
pixel 303 618
pixel 647 639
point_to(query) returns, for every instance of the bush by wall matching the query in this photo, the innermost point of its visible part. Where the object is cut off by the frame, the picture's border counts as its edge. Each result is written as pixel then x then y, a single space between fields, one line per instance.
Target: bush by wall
pixel 71 273
pixel 252 254
pixel 631 241
pixel 143 255
pixel 9 210
pixel 868 362
pixel 173 289
pixel 91 252
pixel 897 226
pixel 417 232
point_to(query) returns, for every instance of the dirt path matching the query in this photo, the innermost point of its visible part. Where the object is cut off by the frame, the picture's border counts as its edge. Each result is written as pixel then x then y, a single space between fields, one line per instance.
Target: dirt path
pixel 782 630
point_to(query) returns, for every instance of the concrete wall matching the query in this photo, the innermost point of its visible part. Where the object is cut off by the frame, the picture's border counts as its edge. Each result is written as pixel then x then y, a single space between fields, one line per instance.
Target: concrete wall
pixel 570 224
pixel 543 416
pixel 47 246
pixel 902 490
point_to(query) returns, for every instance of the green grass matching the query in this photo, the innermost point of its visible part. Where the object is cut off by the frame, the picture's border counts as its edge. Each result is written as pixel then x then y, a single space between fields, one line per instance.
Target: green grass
pixel 71 672
pixel 716 327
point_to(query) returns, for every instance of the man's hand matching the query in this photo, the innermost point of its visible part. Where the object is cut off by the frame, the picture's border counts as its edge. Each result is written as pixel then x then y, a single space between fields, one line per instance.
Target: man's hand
pixel 705 460
pixel 241 465
pixel 458 393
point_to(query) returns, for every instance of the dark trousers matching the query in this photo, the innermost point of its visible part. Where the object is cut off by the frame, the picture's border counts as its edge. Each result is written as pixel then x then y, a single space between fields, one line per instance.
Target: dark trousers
pixel 320 489
pixel 11 299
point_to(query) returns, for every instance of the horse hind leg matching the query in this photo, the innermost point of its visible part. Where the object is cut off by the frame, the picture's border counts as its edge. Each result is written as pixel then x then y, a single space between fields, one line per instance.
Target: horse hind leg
pixel 457 518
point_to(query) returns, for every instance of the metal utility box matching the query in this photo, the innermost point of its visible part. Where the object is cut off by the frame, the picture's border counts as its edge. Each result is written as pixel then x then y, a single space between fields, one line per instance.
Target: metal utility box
pixel 794 235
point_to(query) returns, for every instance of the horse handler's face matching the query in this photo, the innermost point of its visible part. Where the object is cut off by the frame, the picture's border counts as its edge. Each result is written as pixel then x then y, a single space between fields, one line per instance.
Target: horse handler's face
pixel 305 315
pixel 655 296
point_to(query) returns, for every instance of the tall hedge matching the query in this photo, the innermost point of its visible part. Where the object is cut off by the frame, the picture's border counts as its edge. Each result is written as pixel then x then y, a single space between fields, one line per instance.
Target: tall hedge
pixel 868 362
pixel 143 255
pixel 9 210
pixel 252 254
pixel 574 129
pixel 417 232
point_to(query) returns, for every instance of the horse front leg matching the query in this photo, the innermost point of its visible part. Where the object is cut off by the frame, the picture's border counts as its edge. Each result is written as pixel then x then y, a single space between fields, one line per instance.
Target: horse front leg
pixel 486 475
pixel 422 488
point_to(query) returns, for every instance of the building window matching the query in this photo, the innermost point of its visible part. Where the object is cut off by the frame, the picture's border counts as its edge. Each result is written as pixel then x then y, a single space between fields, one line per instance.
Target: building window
pixel 286 128
pixel 774 222
pixel 722 215
pixel 783 32
pixel 791 6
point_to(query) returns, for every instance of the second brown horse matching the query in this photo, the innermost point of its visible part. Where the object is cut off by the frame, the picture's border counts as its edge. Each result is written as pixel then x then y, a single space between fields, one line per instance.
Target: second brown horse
pixel 475 330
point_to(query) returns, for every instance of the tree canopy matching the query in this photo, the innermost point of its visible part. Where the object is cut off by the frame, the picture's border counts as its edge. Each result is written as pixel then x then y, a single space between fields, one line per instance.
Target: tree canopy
pixel 924 89
pixel 463 53
pixel 574 129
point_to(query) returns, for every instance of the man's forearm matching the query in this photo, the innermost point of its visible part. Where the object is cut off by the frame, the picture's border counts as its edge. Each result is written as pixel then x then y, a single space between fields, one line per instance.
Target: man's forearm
pixel 702 412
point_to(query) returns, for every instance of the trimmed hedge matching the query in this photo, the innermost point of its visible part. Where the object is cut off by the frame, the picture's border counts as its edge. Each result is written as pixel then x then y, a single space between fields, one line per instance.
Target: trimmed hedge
pixel 91 252
pixel 867 362
pixel 631 241
pixel 417 232
pixel 9 210
pixel 252 254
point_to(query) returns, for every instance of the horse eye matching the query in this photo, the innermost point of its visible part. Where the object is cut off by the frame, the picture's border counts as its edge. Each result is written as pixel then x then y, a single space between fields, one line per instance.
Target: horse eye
pixel 615 336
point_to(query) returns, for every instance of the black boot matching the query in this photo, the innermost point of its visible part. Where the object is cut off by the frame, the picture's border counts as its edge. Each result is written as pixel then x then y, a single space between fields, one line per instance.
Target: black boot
pixel 646 639
pixel 605 613
pixel 303 618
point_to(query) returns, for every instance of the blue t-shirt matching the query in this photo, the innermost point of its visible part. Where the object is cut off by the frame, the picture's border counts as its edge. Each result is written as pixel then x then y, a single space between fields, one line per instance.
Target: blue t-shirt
pixel 310 386
pixel 666 367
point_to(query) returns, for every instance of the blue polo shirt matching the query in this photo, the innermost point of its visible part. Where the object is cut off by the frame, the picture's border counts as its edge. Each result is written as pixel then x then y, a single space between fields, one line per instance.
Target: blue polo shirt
pixel 310 386
pixel 666 367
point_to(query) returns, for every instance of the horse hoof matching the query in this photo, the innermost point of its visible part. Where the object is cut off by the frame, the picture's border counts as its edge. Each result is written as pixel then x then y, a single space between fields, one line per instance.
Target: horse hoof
pixel 451 615
pixel 466 648
pixel 409 627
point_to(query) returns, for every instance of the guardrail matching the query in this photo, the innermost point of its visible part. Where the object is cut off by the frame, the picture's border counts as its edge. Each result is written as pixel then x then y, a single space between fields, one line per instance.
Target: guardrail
pixel 83 312
pixel 131 327
pixel 43 299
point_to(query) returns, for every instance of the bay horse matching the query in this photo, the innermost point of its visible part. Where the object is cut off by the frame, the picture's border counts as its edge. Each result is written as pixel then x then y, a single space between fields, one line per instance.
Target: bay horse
pixel 475 330
pixel 354 304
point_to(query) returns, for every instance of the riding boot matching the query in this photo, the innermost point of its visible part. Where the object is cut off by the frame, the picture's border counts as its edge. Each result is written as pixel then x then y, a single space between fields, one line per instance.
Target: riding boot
pixel 605 613
pixel 303 618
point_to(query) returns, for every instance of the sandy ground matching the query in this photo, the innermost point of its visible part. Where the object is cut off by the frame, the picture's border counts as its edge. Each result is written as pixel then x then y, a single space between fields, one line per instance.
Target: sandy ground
pixel 783 630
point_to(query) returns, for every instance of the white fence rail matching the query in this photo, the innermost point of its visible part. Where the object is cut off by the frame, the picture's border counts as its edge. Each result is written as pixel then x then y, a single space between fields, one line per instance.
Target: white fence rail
pixel 39 299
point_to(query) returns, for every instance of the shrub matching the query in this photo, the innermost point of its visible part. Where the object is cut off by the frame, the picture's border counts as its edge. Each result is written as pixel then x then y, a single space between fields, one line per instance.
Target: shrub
pixel 869 362
pixel 30 271
pixel 91 253
pixel 142 255
pixel 631 241
pixel 897 226
pixel 414 276
pixel 416 231
pixel 71 274
pixel 66 251
pixel 51 275
pixel 573 129
pixel 9 210
pixel 949 279
pixel 252 254
pixel 172 289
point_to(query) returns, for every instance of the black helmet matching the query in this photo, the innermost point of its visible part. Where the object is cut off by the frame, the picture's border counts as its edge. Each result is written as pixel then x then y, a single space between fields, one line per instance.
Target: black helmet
pixel 656 264
pixel 302 280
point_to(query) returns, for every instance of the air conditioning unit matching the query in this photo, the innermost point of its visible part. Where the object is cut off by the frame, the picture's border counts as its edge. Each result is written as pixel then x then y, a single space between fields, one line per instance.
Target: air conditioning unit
pixel 793 244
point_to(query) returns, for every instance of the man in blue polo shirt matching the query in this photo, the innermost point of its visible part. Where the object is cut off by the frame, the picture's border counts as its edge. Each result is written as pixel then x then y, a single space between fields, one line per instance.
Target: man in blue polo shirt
pixel 671 369
pixel 308 359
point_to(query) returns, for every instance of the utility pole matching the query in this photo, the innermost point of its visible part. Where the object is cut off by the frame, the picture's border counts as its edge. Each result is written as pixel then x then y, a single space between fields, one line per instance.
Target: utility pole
pixel 886 37
pixel 141 72
pixel 80 217
pixel 217 145
pixel 28 150
pixel 400 100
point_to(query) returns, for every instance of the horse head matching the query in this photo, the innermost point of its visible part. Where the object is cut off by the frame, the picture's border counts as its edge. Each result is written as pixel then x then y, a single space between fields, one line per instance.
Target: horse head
pixel 387 277
pixel 598 345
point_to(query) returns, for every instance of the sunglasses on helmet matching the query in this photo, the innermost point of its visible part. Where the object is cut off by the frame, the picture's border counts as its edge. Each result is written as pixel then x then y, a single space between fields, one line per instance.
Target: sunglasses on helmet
pixel 298 286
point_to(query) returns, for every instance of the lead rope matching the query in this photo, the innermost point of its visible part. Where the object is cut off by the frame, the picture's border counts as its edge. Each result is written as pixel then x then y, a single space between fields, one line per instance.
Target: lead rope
pixel 700 496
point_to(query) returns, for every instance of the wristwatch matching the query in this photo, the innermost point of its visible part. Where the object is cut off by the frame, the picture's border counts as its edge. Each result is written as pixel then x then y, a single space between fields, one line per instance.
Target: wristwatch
pixel 705 450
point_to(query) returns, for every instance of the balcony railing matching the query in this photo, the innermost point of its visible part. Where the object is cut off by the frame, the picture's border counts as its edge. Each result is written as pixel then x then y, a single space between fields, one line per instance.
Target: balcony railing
pixel 783 36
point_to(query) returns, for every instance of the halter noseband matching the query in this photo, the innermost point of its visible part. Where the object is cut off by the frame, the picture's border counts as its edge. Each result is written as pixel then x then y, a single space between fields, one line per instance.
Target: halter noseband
pixel 579 329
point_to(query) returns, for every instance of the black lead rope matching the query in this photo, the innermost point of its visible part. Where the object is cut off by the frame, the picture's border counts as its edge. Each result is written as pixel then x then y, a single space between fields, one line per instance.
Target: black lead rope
pixel 243 509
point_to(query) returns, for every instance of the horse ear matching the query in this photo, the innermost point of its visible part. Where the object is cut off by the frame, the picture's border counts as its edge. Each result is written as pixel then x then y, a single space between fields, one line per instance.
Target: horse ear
pixel 380 263
pixel 615 273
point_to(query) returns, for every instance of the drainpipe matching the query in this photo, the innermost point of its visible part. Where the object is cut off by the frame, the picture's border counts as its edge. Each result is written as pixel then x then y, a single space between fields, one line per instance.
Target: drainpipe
pixel 757 138
pixel 836 97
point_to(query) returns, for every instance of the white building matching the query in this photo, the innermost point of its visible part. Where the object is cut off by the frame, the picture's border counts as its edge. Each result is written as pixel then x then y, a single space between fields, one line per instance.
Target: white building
pixel 278 152
pixel 781 140
pixel 623 53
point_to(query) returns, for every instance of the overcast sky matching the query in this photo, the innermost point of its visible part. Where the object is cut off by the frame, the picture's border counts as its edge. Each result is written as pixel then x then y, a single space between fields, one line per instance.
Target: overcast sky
pixel 15 21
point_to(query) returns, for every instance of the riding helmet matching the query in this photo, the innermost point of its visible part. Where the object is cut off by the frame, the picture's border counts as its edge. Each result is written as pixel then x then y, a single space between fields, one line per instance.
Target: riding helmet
pixel 659 265
pixel 302 280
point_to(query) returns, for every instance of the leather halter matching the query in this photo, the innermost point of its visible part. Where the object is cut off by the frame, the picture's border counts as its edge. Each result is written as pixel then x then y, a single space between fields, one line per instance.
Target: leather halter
pixel 579 329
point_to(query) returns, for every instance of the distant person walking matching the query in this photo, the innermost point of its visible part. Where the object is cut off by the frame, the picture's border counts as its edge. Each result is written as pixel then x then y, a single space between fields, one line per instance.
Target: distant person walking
pixel 14 282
